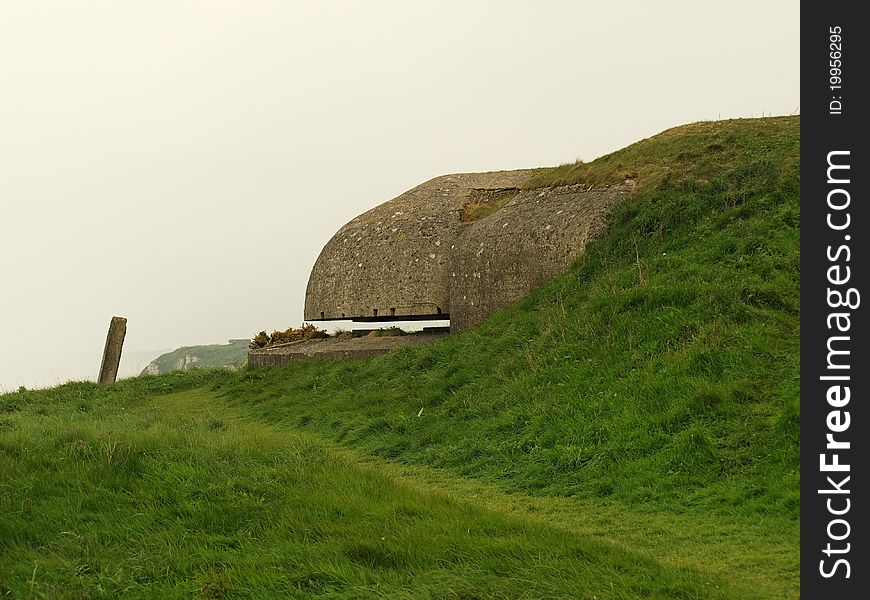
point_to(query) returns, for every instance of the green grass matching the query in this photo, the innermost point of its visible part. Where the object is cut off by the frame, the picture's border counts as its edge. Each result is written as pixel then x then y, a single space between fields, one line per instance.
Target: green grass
pixel 484 203
pixel 684 154
pixel 644 406
pixel 135 493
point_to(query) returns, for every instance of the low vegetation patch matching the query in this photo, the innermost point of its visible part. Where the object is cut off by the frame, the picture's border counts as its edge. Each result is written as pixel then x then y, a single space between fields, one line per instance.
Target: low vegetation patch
pixel 482 203
pixel 310 332
pixel 389 332
pixel 292 334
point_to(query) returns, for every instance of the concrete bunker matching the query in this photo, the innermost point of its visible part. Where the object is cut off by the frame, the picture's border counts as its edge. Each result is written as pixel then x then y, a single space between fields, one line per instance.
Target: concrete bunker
pixel 457 247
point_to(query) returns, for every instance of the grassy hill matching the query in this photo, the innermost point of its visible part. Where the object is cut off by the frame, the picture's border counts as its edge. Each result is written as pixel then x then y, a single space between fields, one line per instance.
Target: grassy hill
pixel 210 356
pixel 629 430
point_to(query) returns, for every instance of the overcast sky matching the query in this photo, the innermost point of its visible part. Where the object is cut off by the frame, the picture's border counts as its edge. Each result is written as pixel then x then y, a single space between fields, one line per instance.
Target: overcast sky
pixel 182 163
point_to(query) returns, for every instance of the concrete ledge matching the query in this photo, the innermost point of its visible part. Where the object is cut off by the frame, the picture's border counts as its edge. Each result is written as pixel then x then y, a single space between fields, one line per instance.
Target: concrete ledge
pixel 330 348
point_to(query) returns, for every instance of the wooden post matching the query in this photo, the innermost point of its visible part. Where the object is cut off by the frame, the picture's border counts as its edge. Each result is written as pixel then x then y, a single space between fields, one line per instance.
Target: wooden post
pixel 112 352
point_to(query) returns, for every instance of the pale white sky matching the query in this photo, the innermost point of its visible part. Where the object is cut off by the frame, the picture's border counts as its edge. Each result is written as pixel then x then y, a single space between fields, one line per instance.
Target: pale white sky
pixel 182 163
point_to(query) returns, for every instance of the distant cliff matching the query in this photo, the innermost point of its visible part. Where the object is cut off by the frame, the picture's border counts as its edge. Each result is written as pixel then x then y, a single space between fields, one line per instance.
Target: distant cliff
pixel 231 355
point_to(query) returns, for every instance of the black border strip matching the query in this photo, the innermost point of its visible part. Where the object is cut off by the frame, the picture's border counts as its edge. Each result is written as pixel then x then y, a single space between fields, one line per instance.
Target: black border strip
pixel 827 127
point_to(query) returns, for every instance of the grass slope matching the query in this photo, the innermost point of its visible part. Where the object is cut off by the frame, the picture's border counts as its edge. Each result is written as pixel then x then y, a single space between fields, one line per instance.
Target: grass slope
pixel 134 493
pixel 648 398
pixel 663 368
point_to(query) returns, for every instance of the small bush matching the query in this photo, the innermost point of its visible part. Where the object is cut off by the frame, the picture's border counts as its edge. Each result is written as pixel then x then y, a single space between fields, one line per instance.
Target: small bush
pixel 291 334
pixel 261 340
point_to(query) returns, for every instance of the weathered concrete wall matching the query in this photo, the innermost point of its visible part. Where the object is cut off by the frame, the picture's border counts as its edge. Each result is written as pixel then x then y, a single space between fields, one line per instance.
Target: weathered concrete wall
pixel 423 253
pixel 531 240
pixel 395 258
